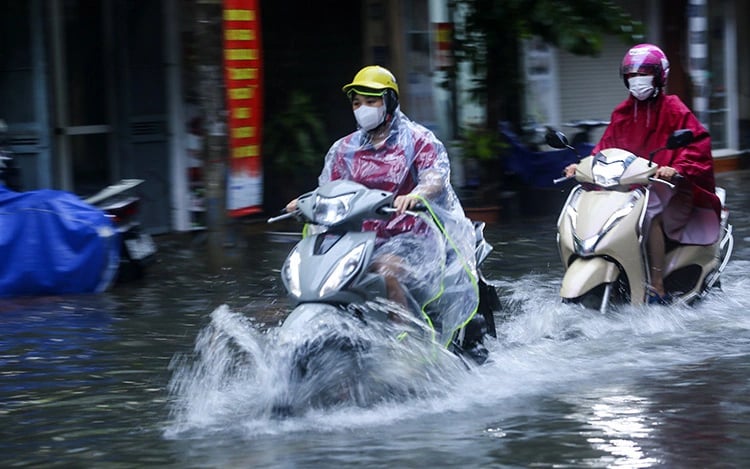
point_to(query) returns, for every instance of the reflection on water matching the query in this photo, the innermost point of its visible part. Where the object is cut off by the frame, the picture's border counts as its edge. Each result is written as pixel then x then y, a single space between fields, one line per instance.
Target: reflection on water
pixel 617 425
pixel 96 380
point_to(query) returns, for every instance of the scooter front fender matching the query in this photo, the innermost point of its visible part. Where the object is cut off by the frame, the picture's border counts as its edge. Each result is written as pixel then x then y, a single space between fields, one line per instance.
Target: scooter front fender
pixel 585 274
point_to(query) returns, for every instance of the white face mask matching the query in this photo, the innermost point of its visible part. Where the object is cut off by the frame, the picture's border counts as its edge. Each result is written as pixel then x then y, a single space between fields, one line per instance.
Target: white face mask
pixel 641 87
pixel 369 117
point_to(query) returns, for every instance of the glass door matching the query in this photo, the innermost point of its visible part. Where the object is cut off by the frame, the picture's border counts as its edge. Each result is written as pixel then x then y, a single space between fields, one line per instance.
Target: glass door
pixel 83 94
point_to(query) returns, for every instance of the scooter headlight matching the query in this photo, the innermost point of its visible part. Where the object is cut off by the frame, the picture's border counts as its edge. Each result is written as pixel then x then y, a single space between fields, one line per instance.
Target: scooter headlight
pixel 609 166
pixel 343 271
pixel 330 210
pixel 290 272
pixel 608 175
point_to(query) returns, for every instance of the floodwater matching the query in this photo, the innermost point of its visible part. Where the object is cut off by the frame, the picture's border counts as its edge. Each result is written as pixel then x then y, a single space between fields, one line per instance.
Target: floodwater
pixel 179 370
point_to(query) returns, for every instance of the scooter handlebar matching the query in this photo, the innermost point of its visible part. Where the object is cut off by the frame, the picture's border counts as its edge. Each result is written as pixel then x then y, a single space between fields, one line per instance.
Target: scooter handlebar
pixel 662 181
pixel 283 216
pixel 412 211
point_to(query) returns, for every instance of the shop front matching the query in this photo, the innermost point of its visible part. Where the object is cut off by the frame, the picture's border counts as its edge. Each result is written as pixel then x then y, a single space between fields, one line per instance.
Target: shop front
pixel 83 91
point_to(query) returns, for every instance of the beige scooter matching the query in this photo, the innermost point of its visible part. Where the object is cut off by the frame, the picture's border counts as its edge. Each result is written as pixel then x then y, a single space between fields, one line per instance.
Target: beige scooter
pixel 601 237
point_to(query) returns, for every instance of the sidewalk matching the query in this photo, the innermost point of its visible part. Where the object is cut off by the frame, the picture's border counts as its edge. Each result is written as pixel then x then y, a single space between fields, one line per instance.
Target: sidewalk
pixel 731 161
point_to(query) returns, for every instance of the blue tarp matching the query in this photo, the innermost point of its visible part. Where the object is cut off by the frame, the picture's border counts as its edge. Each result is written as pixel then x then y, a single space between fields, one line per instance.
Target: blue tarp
pixel 52 242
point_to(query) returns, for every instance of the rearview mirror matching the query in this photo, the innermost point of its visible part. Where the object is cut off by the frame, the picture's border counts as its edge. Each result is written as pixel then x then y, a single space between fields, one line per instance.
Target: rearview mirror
pixel 556 139
pixel 680 138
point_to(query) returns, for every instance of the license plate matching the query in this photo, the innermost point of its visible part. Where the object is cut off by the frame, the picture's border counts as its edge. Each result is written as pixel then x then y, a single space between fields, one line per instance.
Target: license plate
pixel 141 247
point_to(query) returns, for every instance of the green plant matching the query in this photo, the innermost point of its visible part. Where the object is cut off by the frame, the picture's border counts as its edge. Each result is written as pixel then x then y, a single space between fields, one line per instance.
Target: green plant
pixel 295 139
pixel 481 153
pixel 482 144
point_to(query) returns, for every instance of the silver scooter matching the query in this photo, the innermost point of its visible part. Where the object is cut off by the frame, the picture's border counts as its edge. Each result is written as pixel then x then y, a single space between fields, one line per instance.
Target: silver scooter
pixel 601 236
pixel 333 290
pixel 331 267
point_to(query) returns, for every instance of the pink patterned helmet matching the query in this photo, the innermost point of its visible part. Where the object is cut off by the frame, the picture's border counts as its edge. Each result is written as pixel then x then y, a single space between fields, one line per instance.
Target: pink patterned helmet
pixel 646 58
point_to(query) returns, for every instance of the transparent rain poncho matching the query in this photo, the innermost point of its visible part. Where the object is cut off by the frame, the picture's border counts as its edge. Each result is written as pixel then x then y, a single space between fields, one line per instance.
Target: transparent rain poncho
pixel 431 255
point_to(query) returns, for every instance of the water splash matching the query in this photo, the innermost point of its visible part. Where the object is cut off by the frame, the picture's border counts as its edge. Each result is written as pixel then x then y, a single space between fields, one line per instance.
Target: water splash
pixel 226 370
pixel 239 377
pixel 236 372
pixel 545 344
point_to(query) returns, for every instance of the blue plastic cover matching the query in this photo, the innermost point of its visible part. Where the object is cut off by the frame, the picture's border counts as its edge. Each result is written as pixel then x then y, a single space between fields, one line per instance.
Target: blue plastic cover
pixel 52 242
pixel 539 168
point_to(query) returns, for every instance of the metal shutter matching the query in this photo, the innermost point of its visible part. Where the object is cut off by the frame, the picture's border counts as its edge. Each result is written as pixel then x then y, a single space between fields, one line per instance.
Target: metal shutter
pixel 590 87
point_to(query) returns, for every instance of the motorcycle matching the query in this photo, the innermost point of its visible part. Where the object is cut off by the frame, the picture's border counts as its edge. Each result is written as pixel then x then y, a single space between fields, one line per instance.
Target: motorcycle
pixel 530 167
pixel 9 172
pixel 601 233
pixel 583 136
pixel 53 242
pixel 122 207
pixel 526 162
pixel 332 287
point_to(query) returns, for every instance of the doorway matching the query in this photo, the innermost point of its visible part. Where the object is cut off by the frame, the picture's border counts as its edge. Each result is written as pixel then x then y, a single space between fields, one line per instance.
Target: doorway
pixel 108 99
pixel 83 93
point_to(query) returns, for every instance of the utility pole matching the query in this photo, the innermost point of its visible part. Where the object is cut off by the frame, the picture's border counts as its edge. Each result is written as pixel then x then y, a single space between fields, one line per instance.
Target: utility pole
pixel 213 106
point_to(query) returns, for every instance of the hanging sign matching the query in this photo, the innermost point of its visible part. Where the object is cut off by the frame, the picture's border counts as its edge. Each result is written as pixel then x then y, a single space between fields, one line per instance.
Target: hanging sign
pixel 243 79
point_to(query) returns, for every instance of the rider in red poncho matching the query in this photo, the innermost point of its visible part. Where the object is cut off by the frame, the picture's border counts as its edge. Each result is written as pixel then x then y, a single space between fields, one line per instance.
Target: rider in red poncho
pixel 642 123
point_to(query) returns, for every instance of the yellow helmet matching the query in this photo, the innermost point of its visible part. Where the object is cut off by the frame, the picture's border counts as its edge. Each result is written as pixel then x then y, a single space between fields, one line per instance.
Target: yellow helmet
pixel 372 80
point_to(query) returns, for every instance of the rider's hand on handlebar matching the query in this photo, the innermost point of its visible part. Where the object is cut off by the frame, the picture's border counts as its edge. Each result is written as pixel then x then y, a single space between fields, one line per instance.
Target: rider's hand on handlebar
pixel 291 206
pixel 570 170
pixel 403 203
pixel 667 173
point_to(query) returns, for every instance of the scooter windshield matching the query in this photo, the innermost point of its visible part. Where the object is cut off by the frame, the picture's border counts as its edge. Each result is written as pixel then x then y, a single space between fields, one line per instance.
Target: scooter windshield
pixel 609 167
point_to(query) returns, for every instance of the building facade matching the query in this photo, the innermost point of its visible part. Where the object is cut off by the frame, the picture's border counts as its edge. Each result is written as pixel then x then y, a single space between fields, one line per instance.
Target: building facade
pixel 710 70
pixel 84 87
pixel 98 90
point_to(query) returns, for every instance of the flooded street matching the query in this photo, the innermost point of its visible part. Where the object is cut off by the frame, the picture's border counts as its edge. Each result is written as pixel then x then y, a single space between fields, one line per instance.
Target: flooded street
pixel 176 371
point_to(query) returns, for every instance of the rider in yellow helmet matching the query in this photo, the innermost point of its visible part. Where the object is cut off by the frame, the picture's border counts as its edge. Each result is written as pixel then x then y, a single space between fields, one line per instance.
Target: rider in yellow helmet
pixel 390 152
pixel 373 77
pixel 374 81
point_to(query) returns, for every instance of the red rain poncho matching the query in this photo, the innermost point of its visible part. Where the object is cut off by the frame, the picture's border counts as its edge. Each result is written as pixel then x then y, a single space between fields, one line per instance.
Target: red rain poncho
pixel 641 127
pixel 644 126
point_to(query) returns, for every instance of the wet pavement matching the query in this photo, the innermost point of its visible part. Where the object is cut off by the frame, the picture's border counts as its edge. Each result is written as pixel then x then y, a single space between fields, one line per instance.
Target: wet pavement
pixel 110 379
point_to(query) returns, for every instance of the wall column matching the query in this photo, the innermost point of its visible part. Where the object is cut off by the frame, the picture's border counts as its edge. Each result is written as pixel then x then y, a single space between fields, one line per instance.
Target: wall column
pixel 698 50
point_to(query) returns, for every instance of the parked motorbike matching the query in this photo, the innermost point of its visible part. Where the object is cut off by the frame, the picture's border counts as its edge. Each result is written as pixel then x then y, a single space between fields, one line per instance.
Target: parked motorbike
pixel 122 206
pixel 583 136
pixel 601 237
pixel 9 173
pixel 528 166
pixel 53 242
pixel 331 286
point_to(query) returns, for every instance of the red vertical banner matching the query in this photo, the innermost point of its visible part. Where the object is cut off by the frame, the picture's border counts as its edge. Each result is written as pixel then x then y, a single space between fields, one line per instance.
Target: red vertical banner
pixel 243 79
pixel 443 50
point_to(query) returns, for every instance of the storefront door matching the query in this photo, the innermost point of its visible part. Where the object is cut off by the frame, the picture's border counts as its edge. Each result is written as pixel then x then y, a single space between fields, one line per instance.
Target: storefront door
pixel 83 87
pixel 24 91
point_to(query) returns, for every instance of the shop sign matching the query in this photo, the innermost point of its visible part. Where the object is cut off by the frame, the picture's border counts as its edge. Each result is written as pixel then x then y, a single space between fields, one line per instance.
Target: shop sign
pixel 243 79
